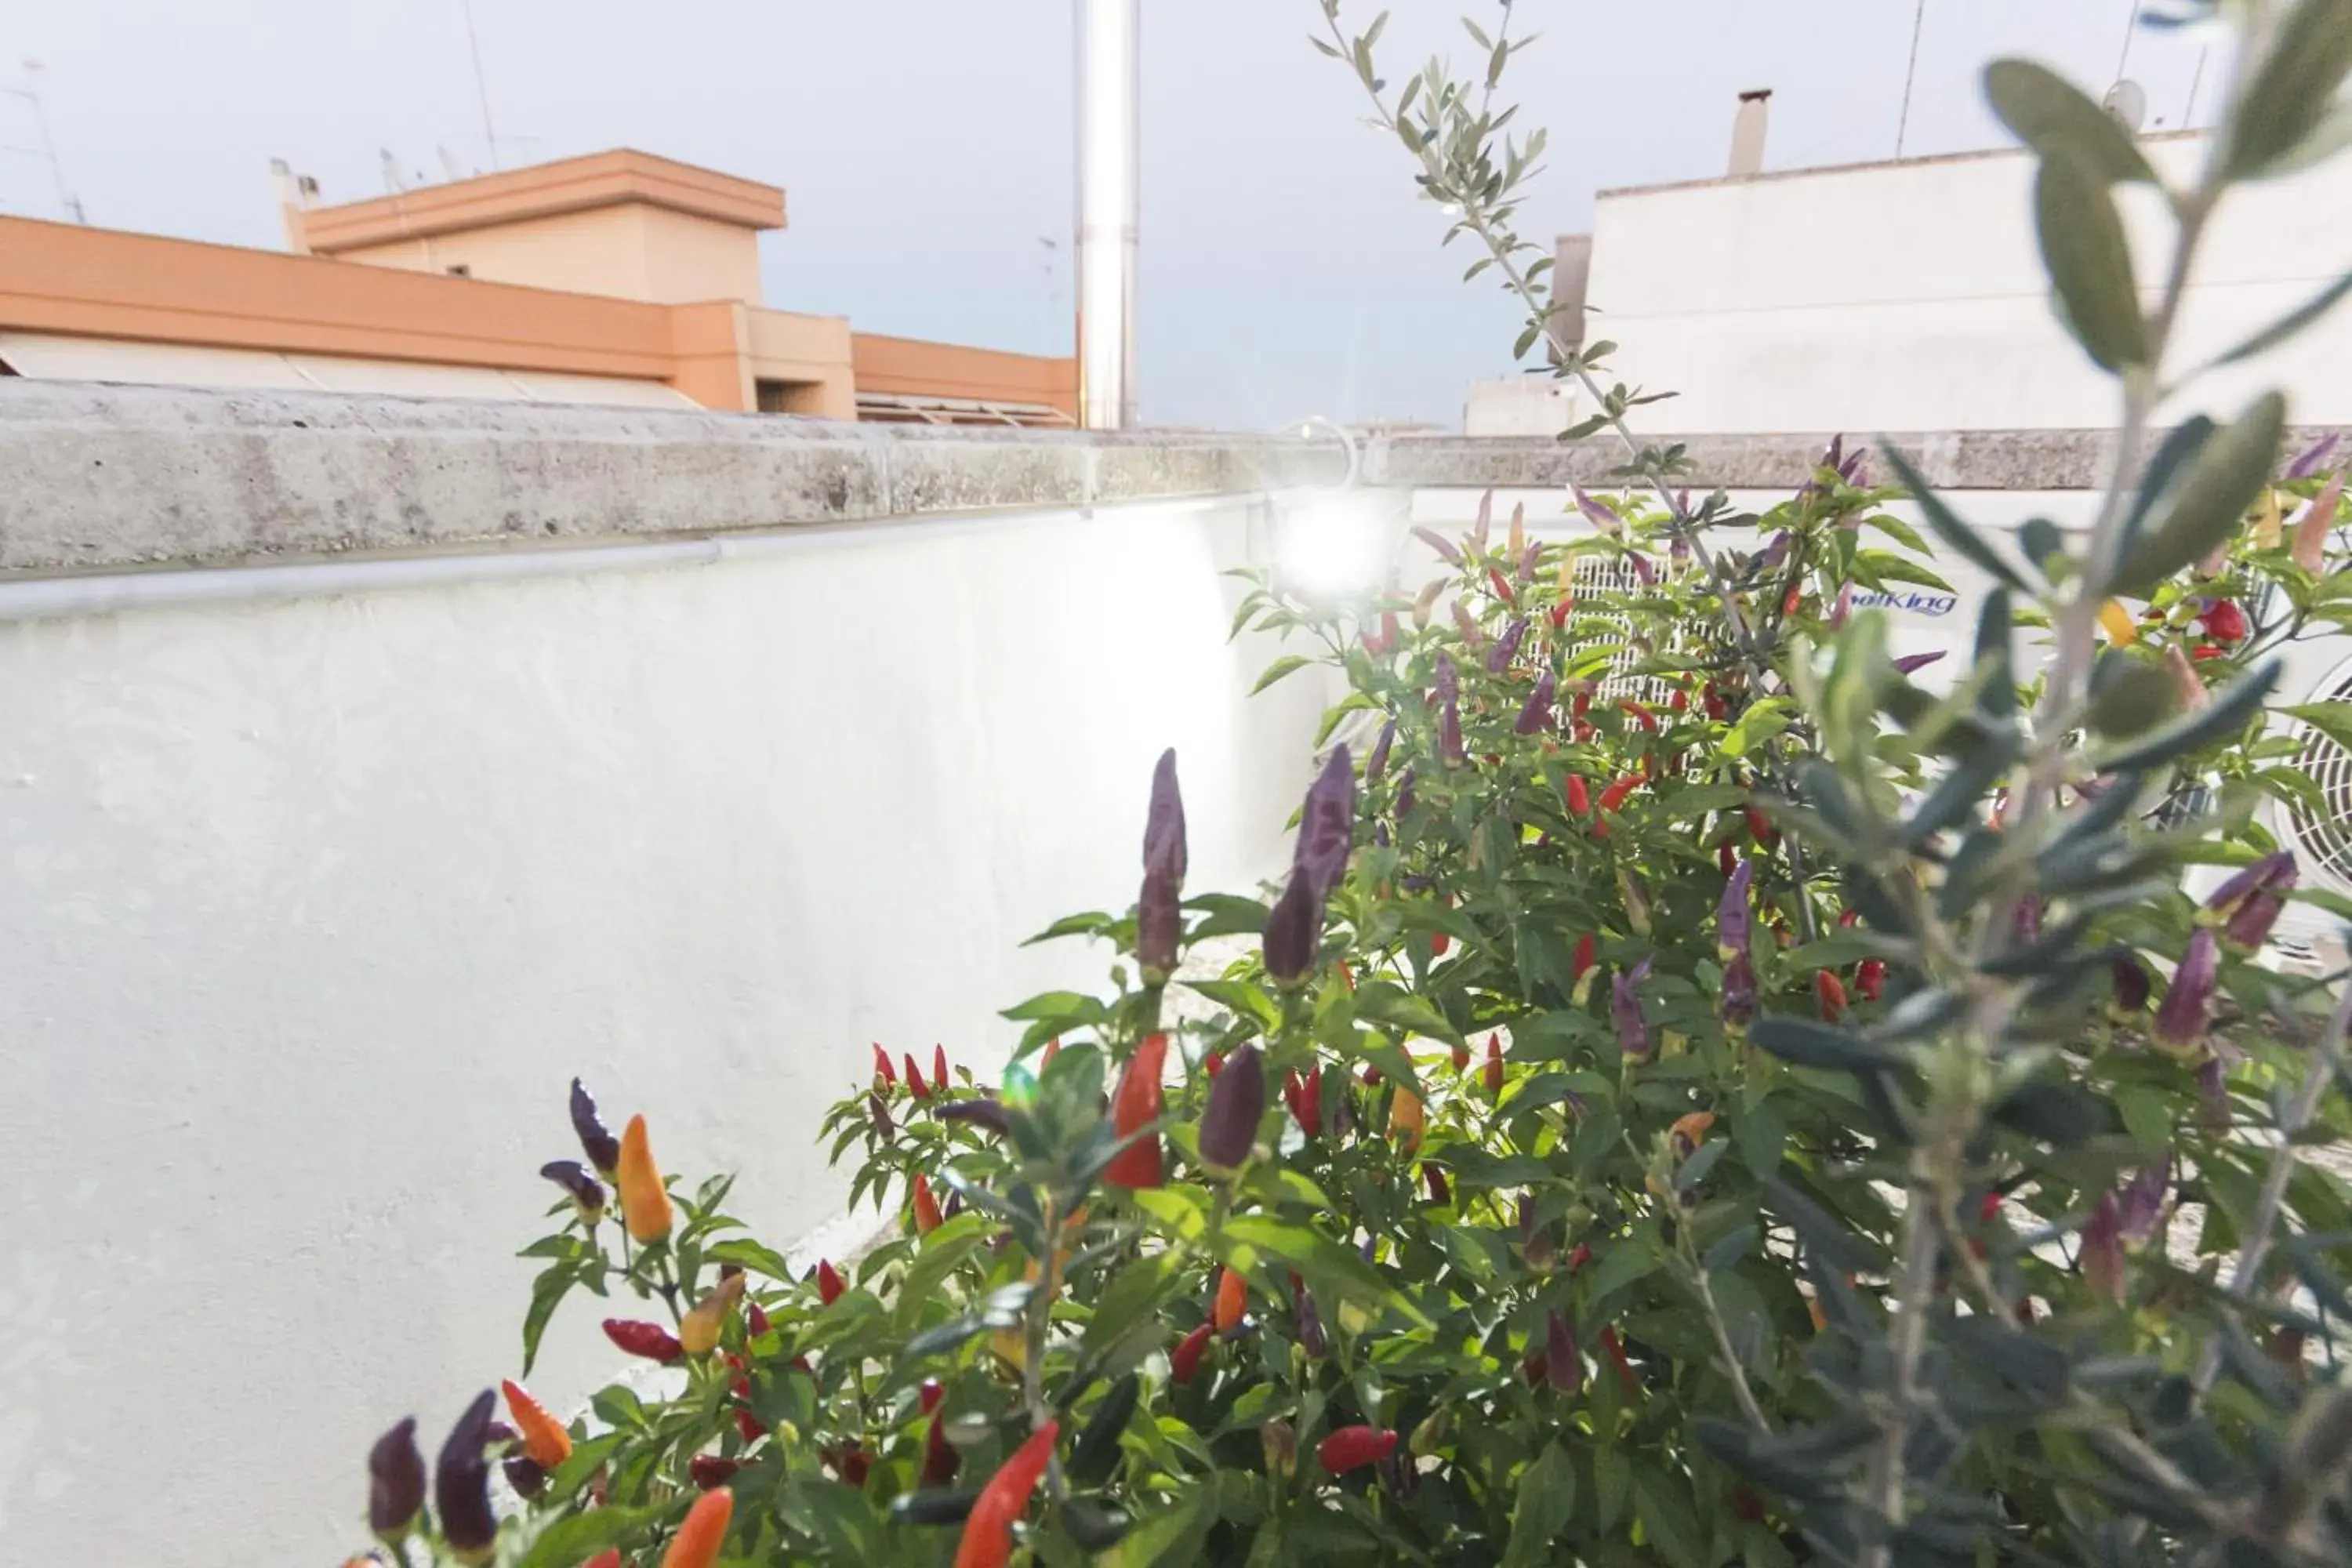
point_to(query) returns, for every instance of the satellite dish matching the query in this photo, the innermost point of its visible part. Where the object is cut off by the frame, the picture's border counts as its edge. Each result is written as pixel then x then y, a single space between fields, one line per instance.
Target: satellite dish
pixel 2126 104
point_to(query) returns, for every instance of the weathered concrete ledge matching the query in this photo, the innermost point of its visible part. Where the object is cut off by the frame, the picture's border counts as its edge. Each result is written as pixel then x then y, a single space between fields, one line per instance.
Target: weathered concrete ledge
pixel 114 478
pixel 1959 460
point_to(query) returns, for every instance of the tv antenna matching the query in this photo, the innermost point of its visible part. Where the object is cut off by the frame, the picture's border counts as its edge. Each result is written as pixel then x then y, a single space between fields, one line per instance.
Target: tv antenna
pixel 47 150
pixel 481 82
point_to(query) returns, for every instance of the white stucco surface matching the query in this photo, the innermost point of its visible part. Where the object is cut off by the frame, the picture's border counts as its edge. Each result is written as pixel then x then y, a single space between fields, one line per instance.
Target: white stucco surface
pixel 311 909
pixel 1911 297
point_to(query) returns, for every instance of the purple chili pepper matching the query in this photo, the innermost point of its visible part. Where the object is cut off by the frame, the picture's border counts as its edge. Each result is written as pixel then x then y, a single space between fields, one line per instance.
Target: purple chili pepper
pixel 2132 984
pixel 2213 1084
pixel 525 1475
pixel 1449 681
pixel 2143 1201
pixel 1563 1368
pixel 573 1176
pixel 988 1115
pixel 2250 903
pixel 1381 834
pixel 1910 662
pixel 1158 915
pixel 1598 513
pixel 1527 566
pixel 1378 763
pixel 1405 799
pixel 2180 1019
pixel 2315 458
pixel 2102 1255
pixel 2028 920
pixel 395 1481
pixel 1776 552
pixel 461 1480
pixel 1450 735
pixel 1835 456
pixel 1311 1337
pixel 1439 542
pixel 1842 611
pixel 1731 919
pixel 603 1150
pixel 1625 1011
pixel 1678 551
pixel 1739 992
pixel 1327 825
pixel 1399 1477
pixel 1506 647
pixel 1536 712
pixel 1294 931
pixel 1237 1105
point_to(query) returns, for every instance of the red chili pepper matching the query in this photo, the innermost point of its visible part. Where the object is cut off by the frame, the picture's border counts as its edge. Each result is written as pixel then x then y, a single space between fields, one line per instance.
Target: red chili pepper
pixel 1134 1107
pixel 1829 995
pixel 1305 1098
pixel 915 1084
pixel 1579 1257
pixel 1717 707
pixel 1746 1506
pixel 939 1068
pixel 1185 1360
pixel 1640 714
pixel 1614 796
pixel 1849 919
pixel 1587 953
pixel 1560 613
pixel 709 1471
pixel 829 1285
pixel 650 1341
pixel 1461 1058
pixel 1582 703
pixel 1581 731
pixel 1354 1447
pixel 755 1320
pixel 882 1068
pixel 1625 1378
pixel 1502 585
pixel 1371 1078
pixel 1759 827
pixel 926 1208
pixel 2225 623
pixel 1870 978
pixel 1495 1064
pixel 1438 942
pixel 1788 605
pixel 1580 797
pixel 1679 701
pixel 608 1558
pixel 1212 1063
pixel 1725 861
pixel 941 1461
pixel 987 1532
pixel 2206 650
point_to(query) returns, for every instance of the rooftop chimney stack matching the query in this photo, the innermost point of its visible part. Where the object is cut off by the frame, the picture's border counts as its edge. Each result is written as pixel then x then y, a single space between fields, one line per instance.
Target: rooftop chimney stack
pixel 1747 132
pixel 1110 173
pixel 296 192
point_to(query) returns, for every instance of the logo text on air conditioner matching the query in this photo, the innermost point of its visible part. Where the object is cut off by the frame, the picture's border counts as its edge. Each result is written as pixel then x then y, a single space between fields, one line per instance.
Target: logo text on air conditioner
pixel 1915 601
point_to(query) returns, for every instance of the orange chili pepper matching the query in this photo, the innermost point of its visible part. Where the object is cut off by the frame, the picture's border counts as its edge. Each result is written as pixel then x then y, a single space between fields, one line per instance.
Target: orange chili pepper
pixel 1407 1118
pixel 1233 1297
pixel 926 1208
pixel 1137 1106
pixel 698 1541
pixel 544 1436
pixel 644 1202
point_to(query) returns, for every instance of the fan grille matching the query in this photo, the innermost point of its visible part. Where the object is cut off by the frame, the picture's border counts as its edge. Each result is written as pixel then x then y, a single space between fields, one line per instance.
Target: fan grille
pixel 2325 840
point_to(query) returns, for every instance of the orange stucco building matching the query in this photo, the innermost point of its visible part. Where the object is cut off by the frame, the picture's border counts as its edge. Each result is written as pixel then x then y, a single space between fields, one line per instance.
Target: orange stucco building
pixel 614 278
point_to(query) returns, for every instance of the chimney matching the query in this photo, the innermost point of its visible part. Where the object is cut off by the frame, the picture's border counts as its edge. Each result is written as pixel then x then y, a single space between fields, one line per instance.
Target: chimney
pixel 295 192
pixel 1747 132
pixel 1109 169
pixel 1572 270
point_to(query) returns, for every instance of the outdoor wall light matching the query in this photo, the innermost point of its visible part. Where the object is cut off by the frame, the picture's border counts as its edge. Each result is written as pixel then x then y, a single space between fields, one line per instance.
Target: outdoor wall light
pixel 1341 542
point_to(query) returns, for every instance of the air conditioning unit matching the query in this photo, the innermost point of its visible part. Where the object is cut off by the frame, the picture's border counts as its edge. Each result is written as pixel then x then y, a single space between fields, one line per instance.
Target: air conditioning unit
pixel 2319 670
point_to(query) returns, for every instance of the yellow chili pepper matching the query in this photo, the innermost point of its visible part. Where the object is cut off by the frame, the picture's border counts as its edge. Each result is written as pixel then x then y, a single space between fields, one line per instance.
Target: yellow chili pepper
pixel 699 1330
pixel 644 1202
pixel 1407 1119
pixel 2121 630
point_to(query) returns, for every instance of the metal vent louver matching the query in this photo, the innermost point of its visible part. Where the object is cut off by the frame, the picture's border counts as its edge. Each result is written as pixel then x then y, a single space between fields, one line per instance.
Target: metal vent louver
pixel 2323 841
pixel 1611 574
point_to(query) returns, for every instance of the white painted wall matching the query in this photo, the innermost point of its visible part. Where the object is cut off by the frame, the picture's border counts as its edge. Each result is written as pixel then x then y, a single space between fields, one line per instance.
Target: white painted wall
pixel 1910 297
pixel 311 910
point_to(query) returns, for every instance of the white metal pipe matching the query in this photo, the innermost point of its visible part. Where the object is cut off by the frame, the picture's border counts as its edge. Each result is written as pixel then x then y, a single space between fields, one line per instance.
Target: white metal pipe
pixel 1109 180
pixel 61 598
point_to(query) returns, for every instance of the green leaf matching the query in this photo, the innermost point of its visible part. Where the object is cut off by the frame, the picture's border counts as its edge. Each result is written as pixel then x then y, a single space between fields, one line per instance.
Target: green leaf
pixel 1958 536
pixel 2050 114
pixel 2088 258
pixel 1225 914
pixel 1669 1518
pixel 1813 1044
pixel 1287 664
pixel 1091 923
pixel 1130 1298
pixel 2291 323
pixel 945 1247
pixel 2227 714
pixel 546 1292
pixel 2211 499
pixel 1242 996
pixel 1624 1261
pixel 570 1541
pixel 747 1254
pixel 1173 1538
pixel 1547 1497
pixel 2293 88
pixel 1402 1009
pixel 2332 719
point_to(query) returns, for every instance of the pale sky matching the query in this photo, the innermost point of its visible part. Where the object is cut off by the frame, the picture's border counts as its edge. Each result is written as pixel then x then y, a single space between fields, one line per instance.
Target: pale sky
pixel 1288 267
